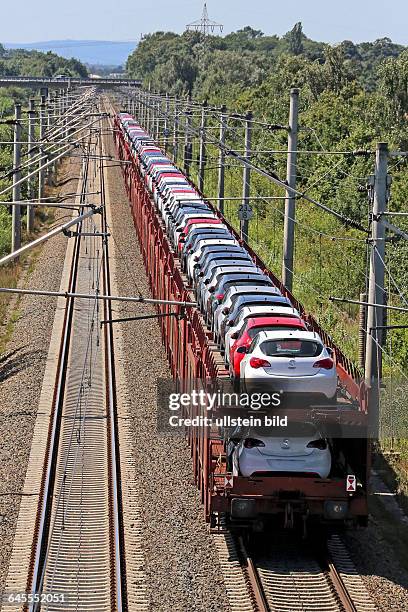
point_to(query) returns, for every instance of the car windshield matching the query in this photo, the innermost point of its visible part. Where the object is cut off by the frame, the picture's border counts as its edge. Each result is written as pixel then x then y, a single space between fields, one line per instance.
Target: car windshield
pixel 221 279
pixel 256 330
pixel 261 301
pixel 288 347
pixel 245 281
pixel 246 296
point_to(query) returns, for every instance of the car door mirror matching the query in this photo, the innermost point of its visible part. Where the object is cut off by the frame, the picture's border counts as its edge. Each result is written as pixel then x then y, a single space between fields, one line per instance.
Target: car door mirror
pixel 211 289
pixel 330 351
pixel 207 281
pixel 234 336
pixel 225 311
pixel 231 323
pixel 243 350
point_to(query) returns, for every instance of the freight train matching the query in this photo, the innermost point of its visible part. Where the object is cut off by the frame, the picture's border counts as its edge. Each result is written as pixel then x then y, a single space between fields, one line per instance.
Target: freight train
pixel 248 333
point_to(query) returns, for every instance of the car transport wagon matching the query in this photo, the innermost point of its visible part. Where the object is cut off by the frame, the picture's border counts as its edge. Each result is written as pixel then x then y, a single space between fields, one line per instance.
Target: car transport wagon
pixel 250 467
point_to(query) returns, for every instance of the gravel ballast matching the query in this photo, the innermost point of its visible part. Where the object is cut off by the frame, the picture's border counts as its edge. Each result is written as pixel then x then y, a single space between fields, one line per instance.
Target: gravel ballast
pixel 382 574
pixel 22 368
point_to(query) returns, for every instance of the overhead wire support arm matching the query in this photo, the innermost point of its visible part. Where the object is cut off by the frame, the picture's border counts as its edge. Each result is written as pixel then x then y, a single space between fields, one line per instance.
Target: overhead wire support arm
pixel 67 147
pixel 87 296
pixel 400 234
pixel 360 303
pixel 58 230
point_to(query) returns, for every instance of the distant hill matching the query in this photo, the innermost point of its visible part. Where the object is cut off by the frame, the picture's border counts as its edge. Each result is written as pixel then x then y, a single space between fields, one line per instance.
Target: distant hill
pixel 98 52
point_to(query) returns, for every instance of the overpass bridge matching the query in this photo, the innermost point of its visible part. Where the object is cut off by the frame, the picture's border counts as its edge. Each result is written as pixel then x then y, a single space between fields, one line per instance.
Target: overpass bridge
pixel 65 83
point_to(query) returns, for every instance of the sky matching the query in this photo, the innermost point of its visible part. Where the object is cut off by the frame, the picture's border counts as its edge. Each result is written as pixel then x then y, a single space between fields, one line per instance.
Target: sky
pixel 324 20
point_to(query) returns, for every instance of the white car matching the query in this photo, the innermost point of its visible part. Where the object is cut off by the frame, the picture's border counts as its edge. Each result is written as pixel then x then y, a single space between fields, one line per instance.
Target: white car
pixel 194 256
pixel 177 230
pixel 290 362
pixel 253 311
pixel 175 199
pixel 163 187
pixel 221 312
pixel 249 268
pixel 298 449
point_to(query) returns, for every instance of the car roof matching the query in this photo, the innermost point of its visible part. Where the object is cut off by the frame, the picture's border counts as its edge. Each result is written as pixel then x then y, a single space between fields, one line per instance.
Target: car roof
pixel 173 176
pixel 181 187
pixel 244 276
pixel 214 241
pixel 213 257
pixel 192 216
pixel 293 334
pixel 188 210
pixel 200 220
pixel 192 206
pixel 229 261
pixel 203 235
pixel 237 269
pixel 187 193
pixel 188 205
pixel 274 320
pixel 250 311
pixel 190 227
pixel 238 288
pixel 261 298
pixel 243 290
pixel 159 167
pixel 229 248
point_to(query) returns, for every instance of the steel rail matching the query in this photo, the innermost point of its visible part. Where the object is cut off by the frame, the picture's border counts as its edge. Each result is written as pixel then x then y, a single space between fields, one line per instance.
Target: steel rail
pixel 42 551
pixel 46 495
pixel 116 518
pixel 260 595
pixel 254 580
pixel 340 587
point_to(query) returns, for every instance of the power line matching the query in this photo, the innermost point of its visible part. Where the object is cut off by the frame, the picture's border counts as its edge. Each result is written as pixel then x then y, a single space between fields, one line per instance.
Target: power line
pixel 272 177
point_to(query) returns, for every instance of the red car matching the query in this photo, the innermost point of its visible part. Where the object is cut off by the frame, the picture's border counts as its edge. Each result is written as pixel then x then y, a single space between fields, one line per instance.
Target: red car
pixel 251 328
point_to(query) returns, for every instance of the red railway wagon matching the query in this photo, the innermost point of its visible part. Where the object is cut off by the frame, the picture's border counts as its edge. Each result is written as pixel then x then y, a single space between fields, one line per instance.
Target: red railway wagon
pixel 193 356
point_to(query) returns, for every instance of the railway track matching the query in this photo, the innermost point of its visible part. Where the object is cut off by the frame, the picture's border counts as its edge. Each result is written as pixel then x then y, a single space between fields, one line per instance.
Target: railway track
pixel 288 576
pixel 78 560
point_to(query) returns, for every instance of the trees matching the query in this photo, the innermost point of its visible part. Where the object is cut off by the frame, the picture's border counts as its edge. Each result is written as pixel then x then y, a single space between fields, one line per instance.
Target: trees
pixel 175 62
pixel 393 74
pixel 295 39
pixel 18 62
